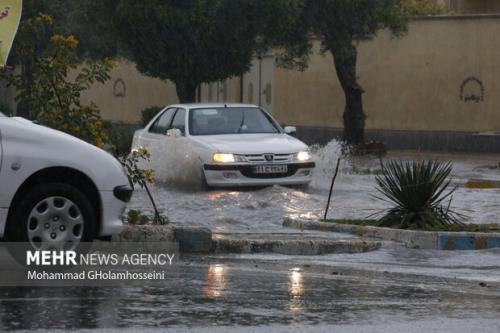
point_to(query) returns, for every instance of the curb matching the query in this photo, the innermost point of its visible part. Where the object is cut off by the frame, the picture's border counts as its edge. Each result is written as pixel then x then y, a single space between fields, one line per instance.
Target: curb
pixel 293 247
pixel 145 233
pixel 200 241
pixel 194 240
pixel 189 240
pixel 436 240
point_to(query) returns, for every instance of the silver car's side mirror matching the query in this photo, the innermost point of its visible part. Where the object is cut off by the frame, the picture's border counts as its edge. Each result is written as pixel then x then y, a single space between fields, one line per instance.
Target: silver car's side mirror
pixel 290 129
pixel 174 133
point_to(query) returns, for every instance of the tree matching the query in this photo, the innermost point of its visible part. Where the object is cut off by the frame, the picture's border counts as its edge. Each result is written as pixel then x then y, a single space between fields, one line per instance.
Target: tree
pixel 194 41
pixel 87 20
pixel 423 7
pixel 341 25
pixel 50 96
pixel 90 21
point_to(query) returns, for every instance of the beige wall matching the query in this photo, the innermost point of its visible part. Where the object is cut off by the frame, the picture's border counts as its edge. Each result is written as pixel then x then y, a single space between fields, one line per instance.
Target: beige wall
pixel 128 92
pixel 225 91
pixel 411 83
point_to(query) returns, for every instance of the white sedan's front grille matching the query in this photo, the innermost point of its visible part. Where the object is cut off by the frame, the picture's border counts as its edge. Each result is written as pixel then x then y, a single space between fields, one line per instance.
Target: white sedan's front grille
pixel 258 158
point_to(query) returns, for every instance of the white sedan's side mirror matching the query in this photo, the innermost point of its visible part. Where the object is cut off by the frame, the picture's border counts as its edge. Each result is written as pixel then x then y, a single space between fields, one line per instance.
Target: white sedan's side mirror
pixel 174 133
pixel 290 129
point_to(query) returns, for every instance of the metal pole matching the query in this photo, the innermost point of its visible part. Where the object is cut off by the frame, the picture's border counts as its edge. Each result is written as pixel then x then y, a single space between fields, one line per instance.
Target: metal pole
pixel 331 189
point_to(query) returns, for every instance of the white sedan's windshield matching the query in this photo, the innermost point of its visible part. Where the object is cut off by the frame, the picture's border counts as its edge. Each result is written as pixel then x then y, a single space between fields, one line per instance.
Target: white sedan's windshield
pixel 212 121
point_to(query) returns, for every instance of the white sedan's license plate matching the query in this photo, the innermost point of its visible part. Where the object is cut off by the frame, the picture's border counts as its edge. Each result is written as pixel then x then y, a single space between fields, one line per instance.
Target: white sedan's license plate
pixel 259 169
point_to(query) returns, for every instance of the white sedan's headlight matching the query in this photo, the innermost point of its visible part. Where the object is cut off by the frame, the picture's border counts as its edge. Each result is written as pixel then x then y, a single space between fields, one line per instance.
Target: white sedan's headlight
pixel 223 158
pixel 303 156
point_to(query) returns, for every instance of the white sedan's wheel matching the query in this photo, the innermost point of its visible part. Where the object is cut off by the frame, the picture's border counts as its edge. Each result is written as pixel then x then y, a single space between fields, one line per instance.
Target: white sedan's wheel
pixel 53 216
pixel 55 223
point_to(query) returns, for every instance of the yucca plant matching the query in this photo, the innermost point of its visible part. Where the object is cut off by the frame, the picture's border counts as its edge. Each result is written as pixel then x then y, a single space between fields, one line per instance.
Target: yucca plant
pixel 420 192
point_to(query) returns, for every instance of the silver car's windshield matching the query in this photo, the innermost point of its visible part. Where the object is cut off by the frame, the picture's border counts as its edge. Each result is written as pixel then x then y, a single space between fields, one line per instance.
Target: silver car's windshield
pixel 213 121
pixel 1 114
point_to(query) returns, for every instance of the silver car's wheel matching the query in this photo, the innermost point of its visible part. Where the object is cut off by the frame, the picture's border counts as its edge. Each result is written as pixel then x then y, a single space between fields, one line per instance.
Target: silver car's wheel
pixel 55 223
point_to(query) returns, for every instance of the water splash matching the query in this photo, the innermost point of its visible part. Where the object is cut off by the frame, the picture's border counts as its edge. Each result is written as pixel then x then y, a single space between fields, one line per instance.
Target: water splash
pixel 325 158
pixel 176 165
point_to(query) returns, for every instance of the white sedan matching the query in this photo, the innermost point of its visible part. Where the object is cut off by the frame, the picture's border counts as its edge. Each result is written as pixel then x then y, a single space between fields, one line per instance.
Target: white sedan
pixel 57 191
pixel 235 144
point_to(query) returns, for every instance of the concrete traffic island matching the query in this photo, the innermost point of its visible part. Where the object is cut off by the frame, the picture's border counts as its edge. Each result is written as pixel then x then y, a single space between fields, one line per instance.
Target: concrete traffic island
pixel 290 244
pixel 146 233
pixel 437 240
pixel 202 240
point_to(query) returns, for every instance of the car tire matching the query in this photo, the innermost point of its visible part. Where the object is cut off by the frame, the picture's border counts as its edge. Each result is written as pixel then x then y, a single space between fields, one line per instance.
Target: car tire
pixel 53 216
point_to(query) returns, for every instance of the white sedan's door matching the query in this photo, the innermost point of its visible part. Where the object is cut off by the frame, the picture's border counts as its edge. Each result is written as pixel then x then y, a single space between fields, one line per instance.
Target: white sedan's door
pixel 157 130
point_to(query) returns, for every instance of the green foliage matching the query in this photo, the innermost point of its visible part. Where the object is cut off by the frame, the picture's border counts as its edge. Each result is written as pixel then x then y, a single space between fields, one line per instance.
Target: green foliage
pixel 120 136
pixel 148 114
pixel 136 217
pixel 88 20
pixel 341 25
pixel 132 164
pixel 91 22
pixel 139 176
pixel 367 222
pixel 194 41
pixel 5 109
pixel 418 190
pixel 48 93
pixel 423 7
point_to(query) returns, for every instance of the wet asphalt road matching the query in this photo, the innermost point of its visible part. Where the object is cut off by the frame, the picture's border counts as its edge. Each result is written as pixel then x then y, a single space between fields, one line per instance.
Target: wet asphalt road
pixel 394 289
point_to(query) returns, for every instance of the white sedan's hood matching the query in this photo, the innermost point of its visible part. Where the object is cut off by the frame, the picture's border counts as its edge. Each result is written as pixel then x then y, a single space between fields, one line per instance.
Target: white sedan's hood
pixel 252 143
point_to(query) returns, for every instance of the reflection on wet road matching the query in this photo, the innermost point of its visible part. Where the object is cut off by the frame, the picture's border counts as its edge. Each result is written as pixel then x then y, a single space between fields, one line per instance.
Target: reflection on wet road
pixel 249 292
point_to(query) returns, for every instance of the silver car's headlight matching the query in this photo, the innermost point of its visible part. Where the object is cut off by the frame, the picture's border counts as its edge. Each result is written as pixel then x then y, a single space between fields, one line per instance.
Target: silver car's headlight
pixel 223 158
pixel 227 158
pixel 303 156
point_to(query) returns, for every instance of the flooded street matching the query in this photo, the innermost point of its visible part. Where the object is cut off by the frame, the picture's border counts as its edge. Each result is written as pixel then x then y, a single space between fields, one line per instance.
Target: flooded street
pixel 353 197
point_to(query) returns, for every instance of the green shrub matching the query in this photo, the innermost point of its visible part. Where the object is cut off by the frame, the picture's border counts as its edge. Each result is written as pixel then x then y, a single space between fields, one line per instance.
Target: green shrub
pixel 135 216
pixel 148 114
pixel 5 109
pixel 120 136
pixel 418 190
pixel 141 177
pixel 50 94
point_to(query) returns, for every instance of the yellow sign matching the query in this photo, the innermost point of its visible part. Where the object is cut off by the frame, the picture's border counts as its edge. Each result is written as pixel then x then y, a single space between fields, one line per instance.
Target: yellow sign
pixel 10 15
